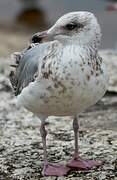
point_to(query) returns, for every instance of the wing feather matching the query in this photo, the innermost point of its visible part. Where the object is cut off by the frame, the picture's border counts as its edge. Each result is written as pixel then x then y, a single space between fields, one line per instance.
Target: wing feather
pixel 27 66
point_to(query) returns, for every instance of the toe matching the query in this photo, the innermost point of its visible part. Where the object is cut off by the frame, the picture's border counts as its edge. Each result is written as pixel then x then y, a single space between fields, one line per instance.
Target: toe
pixel 81 164
pixel 55 170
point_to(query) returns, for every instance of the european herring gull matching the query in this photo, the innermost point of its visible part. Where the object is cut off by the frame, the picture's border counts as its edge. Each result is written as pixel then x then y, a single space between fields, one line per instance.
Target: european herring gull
pixel 62 74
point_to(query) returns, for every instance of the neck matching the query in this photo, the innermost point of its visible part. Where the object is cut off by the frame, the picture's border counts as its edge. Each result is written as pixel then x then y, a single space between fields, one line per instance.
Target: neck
pixel 90 47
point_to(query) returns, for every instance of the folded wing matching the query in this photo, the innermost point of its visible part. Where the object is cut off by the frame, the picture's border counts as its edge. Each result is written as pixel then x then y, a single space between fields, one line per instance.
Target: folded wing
pixel 27 66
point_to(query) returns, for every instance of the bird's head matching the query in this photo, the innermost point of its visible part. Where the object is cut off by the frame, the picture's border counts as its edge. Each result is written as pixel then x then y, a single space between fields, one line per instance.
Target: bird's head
pixel 76 27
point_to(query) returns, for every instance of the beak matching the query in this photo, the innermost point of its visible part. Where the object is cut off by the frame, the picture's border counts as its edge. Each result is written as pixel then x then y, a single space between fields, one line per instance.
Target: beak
pixel 46 36
pixel 40 37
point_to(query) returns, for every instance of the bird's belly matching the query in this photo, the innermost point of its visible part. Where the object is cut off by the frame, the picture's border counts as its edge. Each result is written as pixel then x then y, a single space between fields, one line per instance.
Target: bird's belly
pixel 76 100
pixel 72 99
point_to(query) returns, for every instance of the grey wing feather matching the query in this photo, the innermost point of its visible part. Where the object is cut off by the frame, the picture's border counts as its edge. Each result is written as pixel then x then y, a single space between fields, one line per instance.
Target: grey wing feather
pixel 27 67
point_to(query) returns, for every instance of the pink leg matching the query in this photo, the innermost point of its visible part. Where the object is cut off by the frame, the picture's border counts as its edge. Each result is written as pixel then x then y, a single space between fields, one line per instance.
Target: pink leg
pixel 49 168
pixel 77 162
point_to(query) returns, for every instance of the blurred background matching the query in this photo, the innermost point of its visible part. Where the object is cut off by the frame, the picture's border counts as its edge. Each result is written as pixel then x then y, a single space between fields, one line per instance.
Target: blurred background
pixel 20 141
pixel 19 19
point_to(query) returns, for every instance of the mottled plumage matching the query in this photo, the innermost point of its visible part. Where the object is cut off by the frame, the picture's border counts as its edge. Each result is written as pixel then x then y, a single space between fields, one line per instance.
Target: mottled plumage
pixel 62 76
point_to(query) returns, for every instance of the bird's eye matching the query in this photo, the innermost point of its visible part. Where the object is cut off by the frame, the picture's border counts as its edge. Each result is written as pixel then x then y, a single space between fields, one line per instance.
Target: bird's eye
pixel 71 26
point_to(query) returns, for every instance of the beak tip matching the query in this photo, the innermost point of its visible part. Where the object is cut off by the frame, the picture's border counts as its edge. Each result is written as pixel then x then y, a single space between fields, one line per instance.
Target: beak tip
pixel 39 37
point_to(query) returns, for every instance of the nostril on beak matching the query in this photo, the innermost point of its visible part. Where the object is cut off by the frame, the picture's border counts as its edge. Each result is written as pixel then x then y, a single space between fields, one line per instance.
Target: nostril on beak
pixel 36 39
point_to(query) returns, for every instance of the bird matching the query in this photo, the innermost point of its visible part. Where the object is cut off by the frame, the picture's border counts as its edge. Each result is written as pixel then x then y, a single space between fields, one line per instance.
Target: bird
pixel 62 74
